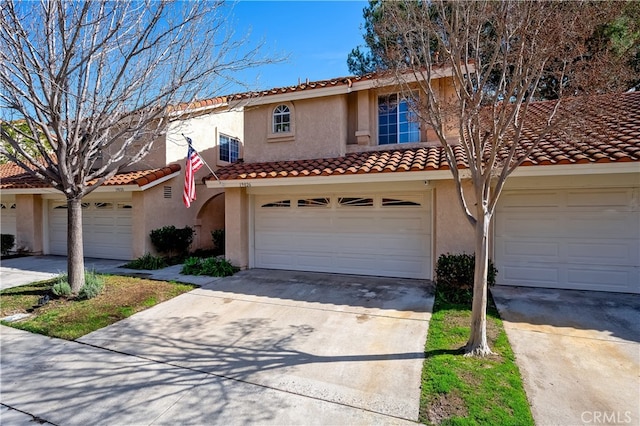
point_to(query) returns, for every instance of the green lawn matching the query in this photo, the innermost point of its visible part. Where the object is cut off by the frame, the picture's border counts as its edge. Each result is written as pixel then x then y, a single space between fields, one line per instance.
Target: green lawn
pixel 458 390
pixel 70 319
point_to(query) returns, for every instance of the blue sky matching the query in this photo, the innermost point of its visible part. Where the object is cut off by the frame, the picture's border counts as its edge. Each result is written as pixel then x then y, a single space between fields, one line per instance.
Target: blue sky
pixel 317 36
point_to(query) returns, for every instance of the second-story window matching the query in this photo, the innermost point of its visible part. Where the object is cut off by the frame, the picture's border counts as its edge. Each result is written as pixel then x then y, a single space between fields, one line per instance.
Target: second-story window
pixel 281 119
pixel 396 122
pixel 229 149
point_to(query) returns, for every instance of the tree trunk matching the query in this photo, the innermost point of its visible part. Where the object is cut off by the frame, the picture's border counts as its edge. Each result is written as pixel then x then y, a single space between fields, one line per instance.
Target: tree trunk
pixel 477 344
pixel 75 252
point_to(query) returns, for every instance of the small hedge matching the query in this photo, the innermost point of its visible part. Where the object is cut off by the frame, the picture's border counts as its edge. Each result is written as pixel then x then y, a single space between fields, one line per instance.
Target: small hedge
pixel 213 267
pixel 147 262
pixel 455 274
pixel 6 243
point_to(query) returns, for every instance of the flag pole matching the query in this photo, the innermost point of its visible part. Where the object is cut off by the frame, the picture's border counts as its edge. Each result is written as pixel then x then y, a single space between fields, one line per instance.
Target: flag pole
pixel 202 159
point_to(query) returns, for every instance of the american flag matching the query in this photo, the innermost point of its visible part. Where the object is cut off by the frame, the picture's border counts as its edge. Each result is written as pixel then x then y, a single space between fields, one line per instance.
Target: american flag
pixel 194 163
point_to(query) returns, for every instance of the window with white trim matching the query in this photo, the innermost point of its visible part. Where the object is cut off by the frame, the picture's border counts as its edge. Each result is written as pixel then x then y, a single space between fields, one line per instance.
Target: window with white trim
pixel 396 122
pixel 281 119
pixel 229 149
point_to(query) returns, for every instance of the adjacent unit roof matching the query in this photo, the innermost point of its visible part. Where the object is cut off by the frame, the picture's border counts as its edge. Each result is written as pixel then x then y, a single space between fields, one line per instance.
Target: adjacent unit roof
pixel 14 177
pixel 609 133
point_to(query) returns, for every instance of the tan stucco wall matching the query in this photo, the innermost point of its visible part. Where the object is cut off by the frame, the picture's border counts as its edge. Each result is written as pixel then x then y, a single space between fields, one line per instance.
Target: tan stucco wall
pixel 204 132
pixel 319 130
pixel 152 211
pixel 29 223
pixel 453 233
pixel 326 127
pixel 237 227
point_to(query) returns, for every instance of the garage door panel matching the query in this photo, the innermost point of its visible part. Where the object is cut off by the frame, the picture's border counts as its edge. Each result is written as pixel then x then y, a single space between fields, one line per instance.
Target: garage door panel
pixel 106 230
pixel 537 251
pixel 530 200
pixel 594 278
pixel 589 240
pixel 365 239
pixel 537 275
pixel 611 226
pixel 599 199
pixel 604 252
pixel 525 223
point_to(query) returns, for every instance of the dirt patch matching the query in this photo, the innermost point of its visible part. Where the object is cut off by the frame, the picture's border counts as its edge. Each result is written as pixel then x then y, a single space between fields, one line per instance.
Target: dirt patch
pixel 445 407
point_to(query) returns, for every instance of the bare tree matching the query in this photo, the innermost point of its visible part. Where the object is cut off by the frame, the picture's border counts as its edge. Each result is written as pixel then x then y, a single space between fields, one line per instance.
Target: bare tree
pixel 94 80
pixel 499 53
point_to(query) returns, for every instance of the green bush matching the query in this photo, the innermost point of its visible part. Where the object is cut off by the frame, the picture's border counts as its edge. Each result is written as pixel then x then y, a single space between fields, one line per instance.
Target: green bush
pixel 213 267
pixel 148 261
pixel 93 285
pixel 218 240
pixel 171 240
pixel 454 277
pixel 6 243
pixel 61 288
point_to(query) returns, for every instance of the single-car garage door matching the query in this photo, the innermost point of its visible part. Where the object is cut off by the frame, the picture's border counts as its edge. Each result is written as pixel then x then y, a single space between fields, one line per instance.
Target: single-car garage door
pixel 585 239
pixel 382 235
pixel 106 227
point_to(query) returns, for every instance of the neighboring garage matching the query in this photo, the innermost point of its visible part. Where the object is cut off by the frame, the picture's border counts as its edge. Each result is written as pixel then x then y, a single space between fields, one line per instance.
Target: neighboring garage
pixel 583 239
pixel 106 227
pixel 354 233
pixel 8 218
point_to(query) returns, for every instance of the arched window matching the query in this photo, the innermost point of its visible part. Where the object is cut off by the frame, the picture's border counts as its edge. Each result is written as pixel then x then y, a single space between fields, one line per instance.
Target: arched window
pixel 281 119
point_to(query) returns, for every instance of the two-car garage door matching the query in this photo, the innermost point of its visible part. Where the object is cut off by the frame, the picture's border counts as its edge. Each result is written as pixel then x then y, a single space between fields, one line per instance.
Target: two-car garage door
pixel 377 234
pixel 106 227
pixel 585 239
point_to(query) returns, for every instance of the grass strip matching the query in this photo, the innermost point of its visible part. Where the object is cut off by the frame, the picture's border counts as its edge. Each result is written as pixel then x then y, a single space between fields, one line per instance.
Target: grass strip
pixel 69 319
pixel 459 390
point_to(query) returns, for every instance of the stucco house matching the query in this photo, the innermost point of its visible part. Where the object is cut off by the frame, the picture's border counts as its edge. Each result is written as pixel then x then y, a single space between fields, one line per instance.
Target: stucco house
pixel 119 216
pixel 336 178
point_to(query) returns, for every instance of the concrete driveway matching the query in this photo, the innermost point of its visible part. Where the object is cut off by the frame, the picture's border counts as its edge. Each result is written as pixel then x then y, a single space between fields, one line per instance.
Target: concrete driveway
pixel 578 353
pixel 267 347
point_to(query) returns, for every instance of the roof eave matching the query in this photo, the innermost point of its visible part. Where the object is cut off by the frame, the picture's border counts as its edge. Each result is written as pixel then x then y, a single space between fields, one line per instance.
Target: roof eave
pixel 426 175
pixel 341 89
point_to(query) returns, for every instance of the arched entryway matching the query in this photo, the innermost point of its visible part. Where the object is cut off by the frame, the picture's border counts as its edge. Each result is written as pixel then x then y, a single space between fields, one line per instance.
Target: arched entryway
pixel 210 217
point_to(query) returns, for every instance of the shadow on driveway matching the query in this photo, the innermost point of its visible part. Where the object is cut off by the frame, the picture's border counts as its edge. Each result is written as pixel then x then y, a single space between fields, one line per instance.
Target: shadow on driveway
pixel 272 347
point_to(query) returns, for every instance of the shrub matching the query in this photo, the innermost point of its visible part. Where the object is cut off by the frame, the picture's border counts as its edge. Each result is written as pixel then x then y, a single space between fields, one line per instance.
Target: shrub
pixel 93 285
pixel 61 288
pixel 148 261
pixel 218 240
pixel 213 267
pixel 171 240
pixel 454 277
pixel 6 243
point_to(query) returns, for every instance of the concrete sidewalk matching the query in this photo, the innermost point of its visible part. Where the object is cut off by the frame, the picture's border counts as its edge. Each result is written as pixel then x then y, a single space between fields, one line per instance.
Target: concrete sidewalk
pixel 261 347
pixel 24 270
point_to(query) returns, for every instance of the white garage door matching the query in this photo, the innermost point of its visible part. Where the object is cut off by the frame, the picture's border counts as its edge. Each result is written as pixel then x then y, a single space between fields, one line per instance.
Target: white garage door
pixel 572 239
pixel 106 228
pixel 8 218
pixel 361 234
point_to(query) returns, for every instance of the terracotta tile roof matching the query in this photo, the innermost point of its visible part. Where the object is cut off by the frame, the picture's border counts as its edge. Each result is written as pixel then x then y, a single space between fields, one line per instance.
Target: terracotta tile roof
pixel 307 85
pixel 614 137
pixel 204 103
pixel 13 177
